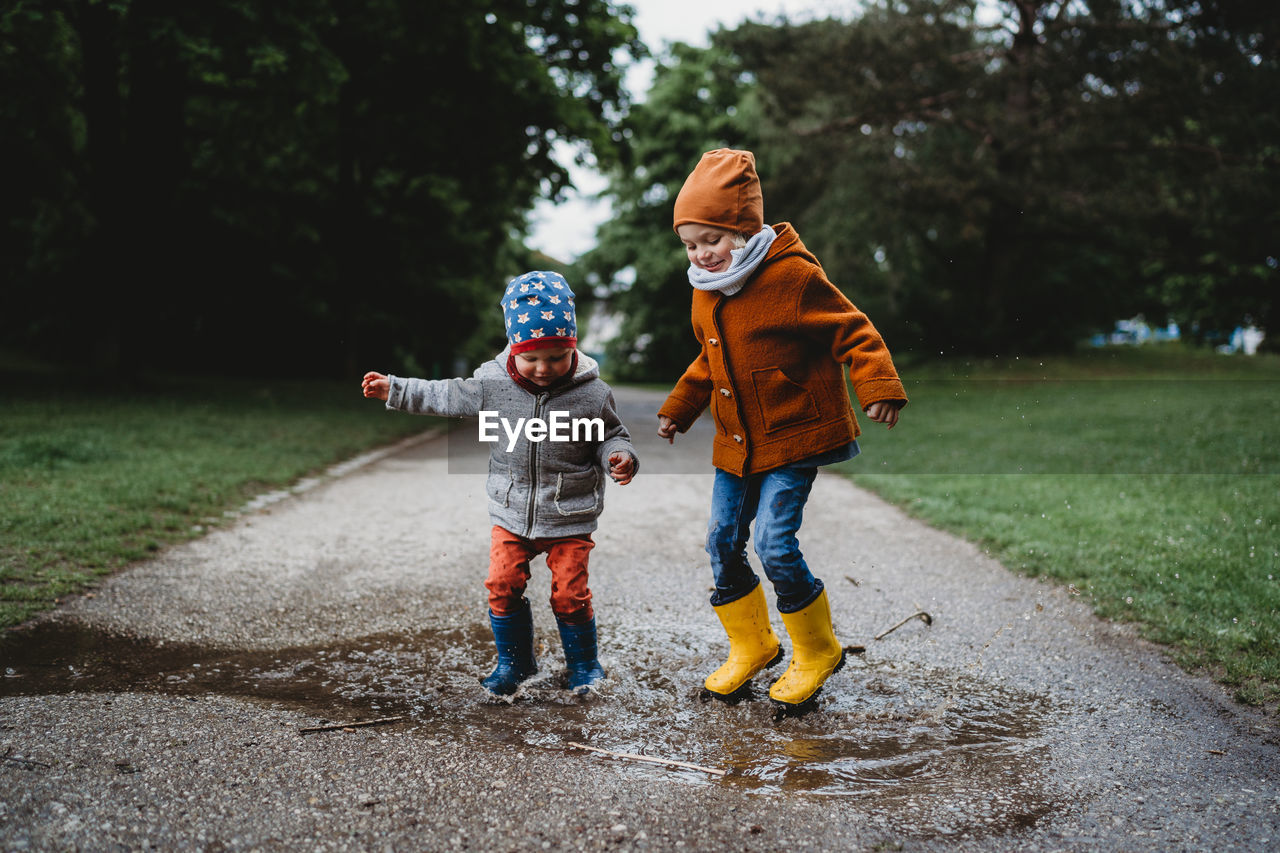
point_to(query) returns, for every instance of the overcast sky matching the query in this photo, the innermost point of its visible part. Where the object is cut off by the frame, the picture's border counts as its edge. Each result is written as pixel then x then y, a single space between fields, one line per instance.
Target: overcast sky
pixel 566 230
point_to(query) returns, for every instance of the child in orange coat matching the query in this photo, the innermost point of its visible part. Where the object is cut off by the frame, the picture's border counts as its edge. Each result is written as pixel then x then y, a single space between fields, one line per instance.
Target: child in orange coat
pixel 775 335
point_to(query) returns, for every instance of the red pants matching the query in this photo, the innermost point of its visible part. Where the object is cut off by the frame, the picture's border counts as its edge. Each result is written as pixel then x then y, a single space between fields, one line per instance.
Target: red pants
pixel 509 557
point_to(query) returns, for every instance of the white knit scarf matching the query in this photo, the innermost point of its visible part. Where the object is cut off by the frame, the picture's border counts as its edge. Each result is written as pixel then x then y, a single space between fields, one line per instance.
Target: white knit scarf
pixel 745 261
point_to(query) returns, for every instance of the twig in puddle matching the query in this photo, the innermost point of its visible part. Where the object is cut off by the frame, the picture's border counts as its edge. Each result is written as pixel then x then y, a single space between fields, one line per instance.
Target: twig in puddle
pixel 357 725
pixel 25 762
pixel 667 761
pixel 920 614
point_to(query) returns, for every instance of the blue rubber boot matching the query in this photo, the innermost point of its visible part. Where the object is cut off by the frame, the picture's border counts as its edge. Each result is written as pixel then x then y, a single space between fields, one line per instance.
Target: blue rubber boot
pixel 513 635
pixel 579 643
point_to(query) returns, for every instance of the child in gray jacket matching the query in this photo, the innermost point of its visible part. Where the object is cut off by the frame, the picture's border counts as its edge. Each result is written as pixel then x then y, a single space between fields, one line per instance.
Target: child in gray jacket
pixel 554 431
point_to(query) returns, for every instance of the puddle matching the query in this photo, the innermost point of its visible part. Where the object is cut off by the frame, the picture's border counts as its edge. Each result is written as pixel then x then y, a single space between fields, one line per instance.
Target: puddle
pixel 894 732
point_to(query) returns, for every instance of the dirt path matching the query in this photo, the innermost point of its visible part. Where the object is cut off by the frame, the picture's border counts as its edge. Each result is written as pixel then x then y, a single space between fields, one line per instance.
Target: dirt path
pixel 166 709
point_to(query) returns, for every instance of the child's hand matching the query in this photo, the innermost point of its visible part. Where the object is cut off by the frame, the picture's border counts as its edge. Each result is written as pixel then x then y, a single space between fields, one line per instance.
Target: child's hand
pixel 667 429
pixel 884 412
pixel 622 467
pixel 376 385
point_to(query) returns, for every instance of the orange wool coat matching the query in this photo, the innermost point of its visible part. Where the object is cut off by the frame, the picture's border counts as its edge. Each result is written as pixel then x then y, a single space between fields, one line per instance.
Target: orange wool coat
pixel 771 364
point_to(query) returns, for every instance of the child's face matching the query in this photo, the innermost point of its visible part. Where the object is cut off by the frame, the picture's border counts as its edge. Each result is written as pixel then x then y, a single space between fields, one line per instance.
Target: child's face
pixel 544 366
pixel 709 248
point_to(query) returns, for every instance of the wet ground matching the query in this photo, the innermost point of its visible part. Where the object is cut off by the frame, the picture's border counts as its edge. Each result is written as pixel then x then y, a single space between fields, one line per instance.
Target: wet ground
pixel 1013 721
pixel 909 731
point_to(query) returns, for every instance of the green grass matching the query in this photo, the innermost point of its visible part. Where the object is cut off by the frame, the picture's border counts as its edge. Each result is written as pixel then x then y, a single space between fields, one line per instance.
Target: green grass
pixel 92 481
pixel 1146 480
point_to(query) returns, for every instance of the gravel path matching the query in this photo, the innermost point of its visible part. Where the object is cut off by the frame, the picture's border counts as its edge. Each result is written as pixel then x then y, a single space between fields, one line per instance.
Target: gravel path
pixel 165 709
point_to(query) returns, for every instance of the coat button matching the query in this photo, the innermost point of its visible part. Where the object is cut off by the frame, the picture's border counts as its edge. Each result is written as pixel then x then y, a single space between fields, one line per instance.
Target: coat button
pixel 726 392
pixel 737 438
pixel 715 342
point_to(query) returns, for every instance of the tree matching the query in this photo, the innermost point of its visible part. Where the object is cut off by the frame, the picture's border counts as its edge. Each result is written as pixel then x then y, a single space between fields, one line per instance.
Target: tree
pixel 313 184
pixel 698 101
pixel 1214 255
pixel 1011 185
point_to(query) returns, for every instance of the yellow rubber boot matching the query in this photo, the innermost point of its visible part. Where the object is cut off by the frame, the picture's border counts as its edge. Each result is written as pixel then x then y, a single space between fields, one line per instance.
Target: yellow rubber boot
pixel 752 644
pixel 815 653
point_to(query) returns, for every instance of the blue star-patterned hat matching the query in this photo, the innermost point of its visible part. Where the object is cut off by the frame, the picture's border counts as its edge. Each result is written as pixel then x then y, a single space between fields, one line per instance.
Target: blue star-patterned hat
pixel 539 312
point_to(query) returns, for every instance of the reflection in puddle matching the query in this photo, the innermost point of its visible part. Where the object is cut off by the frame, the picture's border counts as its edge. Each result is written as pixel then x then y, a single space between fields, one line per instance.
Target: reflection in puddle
pixel 881 744
pixel 880 729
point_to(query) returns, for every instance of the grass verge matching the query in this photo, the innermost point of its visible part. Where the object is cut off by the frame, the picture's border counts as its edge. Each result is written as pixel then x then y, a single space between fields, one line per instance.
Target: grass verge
pixel 1146 480
pixel 91 481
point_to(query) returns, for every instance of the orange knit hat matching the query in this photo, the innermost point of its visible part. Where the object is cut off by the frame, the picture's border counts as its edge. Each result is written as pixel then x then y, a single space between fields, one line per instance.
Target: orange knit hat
pixel 723 191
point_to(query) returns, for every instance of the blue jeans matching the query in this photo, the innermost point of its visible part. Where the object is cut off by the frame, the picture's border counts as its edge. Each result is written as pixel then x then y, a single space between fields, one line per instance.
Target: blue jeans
pixel 775 501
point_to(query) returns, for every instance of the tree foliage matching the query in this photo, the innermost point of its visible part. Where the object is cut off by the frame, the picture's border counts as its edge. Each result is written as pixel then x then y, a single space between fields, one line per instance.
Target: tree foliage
pixel 313 185
pixel 1032 177
pixel 995 177
pixel 699 100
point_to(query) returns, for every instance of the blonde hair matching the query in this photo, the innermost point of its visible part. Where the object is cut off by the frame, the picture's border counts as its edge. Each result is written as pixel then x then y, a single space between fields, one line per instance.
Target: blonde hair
pixel 739 239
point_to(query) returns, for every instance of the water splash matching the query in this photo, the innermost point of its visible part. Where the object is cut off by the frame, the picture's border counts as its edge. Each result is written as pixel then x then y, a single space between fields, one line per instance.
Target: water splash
pixel 880 728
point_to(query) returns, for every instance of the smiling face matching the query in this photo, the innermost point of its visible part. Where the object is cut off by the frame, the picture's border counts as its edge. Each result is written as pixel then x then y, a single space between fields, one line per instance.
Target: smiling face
pixel 544 366
pixel 709 248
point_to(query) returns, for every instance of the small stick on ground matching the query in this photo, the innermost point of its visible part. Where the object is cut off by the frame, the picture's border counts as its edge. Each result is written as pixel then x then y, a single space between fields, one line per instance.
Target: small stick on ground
pixel 25 762
pixel 667 761
pixel 920 614
pixel 357 725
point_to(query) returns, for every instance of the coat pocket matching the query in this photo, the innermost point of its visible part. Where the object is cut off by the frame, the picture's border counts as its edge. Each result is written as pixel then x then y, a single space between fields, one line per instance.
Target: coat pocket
pixel 783 402
pixel 498 485
pixel 578 492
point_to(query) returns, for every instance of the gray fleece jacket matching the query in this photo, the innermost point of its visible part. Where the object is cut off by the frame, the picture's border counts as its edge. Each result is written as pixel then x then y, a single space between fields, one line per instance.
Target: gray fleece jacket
pixel 542 488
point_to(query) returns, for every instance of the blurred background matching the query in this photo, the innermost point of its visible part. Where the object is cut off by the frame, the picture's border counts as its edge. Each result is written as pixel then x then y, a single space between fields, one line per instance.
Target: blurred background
pixel 215 216
pixel 314 189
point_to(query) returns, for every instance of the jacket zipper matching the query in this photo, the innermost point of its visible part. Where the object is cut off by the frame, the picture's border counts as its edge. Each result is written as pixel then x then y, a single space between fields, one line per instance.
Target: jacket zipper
pixel 533 470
